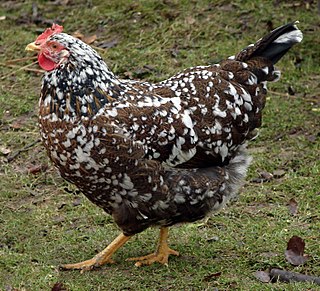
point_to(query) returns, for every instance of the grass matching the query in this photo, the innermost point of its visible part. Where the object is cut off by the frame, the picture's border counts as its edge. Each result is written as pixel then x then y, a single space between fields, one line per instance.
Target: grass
pixel 43 225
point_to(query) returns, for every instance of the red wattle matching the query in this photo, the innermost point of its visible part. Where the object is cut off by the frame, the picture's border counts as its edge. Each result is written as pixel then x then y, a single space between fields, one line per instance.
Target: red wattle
pixel 45 63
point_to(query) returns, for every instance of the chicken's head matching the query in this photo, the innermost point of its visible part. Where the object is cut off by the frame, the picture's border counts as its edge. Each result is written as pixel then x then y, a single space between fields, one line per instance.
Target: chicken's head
pixel 50 52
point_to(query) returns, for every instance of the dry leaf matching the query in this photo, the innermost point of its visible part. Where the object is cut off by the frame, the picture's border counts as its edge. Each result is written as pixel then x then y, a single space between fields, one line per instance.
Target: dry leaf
pixel 295 251
pixel 295 259
pixel 278 173
pixel 4 151
pixel 76 202
pixel 190 20
pixel 264 176
pixel 60 2
pixel 108 44
pixel 78 34
pixel 296 244
pixel 16 125
pixel 58 219
pixel 89 39
pixel 58 287
pixel 212 276
pixel 35 169
pixel 227 8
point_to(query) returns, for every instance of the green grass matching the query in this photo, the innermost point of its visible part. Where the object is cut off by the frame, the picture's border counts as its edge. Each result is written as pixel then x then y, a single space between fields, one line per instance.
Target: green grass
pixel 42 225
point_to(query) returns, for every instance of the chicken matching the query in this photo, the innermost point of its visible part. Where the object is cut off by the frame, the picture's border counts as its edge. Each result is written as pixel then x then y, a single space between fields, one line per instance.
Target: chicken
pixel 153 154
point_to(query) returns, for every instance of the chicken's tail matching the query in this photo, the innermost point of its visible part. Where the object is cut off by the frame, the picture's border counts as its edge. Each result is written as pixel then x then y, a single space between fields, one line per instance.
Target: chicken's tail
pixel 274 45
pixel 196 193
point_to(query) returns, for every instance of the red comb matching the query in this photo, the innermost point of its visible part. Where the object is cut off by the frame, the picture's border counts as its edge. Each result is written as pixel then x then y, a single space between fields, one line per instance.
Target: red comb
pixel 48 32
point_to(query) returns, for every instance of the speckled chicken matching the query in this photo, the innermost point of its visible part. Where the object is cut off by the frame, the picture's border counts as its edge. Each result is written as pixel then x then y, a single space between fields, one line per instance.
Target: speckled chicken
pixel 152 154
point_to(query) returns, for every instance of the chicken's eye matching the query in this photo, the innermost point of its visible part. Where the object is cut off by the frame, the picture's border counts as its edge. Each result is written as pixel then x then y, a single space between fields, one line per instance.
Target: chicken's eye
pixel 54 46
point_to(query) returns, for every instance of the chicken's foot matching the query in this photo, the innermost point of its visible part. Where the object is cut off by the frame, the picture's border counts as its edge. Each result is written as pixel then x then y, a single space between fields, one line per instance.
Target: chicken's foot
pixel 162 253
pixel 101 258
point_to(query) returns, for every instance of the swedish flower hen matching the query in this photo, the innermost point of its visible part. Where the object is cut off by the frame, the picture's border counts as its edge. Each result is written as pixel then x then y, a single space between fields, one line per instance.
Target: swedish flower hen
pixel 152 154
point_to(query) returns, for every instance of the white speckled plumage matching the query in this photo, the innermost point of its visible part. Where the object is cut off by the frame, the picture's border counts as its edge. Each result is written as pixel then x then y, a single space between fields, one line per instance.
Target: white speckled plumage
pixel 156 153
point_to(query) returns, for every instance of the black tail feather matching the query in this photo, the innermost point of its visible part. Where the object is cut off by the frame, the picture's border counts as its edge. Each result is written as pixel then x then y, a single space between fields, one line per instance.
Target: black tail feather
pixel 274 45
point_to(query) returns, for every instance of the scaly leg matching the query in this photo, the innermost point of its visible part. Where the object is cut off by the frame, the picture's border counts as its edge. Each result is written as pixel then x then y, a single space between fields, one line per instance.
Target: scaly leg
pixel 101 258
pixel 162 253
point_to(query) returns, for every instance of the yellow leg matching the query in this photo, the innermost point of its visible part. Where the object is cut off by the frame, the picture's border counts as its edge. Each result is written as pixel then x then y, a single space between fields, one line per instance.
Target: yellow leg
pixel 101 258
pixel 162 253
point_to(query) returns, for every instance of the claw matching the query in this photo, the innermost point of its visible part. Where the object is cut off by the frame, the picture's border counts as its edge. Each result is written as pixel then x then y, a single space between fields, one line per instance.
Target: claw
pixel 161 255
pixel 104 257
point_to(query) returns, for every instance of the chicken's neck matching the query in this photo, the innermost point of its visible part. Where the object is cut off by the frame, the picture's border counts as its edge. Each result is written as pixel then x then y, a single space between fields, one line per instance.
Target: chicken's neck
pixel 78 90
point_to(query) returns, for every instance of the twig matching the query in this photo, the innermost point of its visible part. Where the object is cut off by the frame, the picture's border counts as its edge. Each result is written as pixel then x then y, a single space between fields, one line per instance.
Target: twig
pixel 98 48
pixel 278 93
pixel 11 157
pixel 21 59
pixel 287 276
pixel 26 68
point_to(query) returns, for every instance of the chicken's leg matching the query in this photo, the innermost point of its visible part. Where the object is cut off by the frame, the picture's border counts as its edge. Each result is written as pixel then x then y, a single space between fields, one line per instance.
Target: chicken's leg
pixel 101 258
pixel 162 253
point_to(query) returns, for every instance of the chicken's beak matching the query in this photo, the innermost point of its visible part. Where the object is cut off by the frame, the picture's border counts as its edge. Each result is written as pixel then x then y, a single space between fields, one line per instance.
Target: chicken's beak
pixel 33 47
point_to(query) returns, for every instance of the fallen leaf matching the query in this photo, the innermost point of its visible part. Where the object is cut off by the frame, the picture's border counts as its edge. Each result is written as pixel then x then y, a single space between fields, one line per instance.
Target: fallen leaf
pixel 90 39
pixel 227 8
pixel 170 14
pixel 278 173
pixel 128 74
pixel 58 219
pixel 16 125
pixel 263 177
pixel 295 259
pixel 311 138
pixel 60 2
pixel 76 201
pixel 58 287
pixel 108 44
pixel 35 169
pixel 213 238
pixel 295 251
pixel 296 244
pixel 78 34
pixel 5 151
pixel 209 277
pixel 141 73
pixel 293 206
pixel 190 20
pixel 20 122
pixel 269 255
pixel 262 276
pixel 257 180
pixel 266 175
